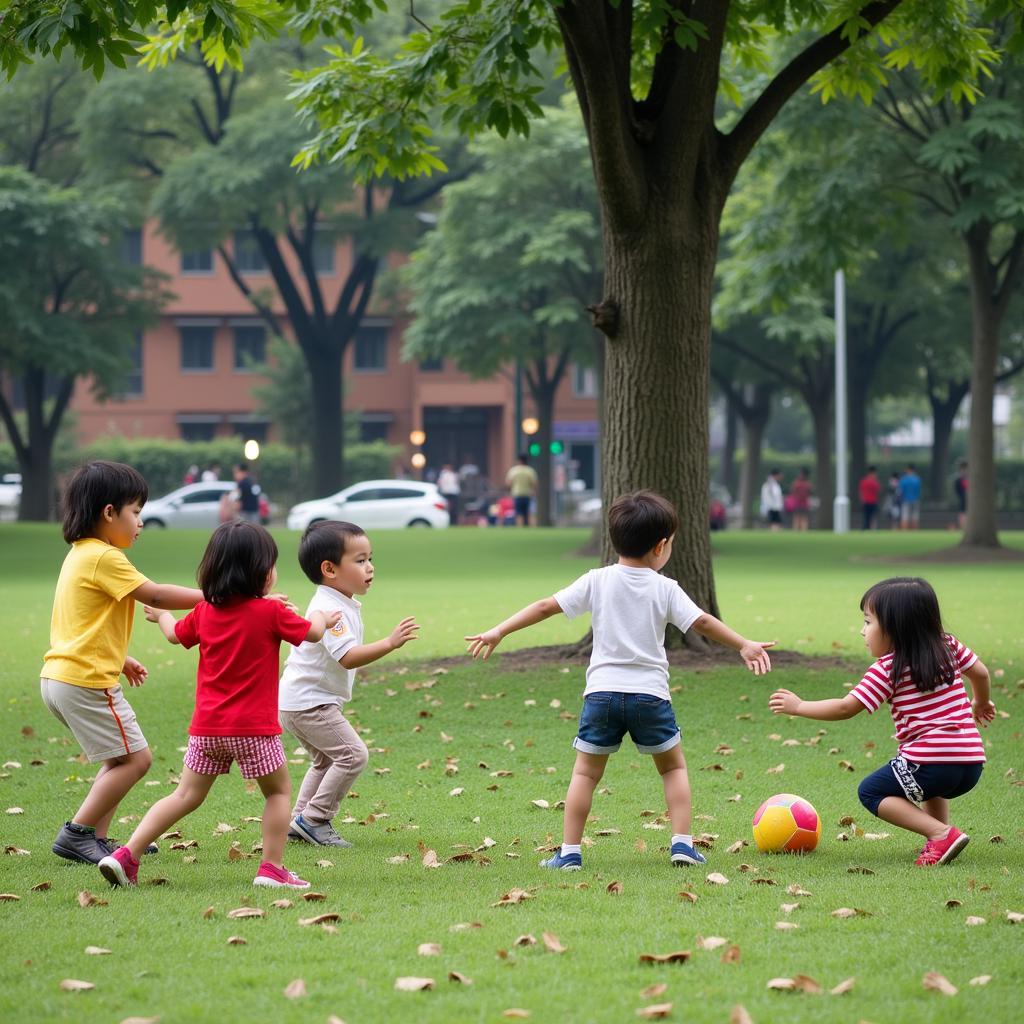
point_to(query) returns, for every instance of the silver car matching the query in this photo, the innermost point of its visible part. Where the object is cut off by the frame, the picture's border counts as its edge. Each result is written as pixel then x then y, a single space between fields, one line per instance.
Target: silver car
pixel 195 505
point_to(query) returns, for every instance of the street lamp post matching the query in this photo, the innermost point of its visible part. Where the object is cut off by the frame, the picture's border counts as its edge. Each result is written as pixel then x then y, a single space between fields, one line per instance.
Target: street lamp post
pixel 841 505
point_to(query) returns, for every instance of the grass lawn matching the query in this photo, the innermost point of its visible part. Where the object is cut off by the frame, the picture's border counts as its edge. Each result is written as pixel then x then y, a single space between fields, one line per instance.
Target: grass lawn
pixel 457 759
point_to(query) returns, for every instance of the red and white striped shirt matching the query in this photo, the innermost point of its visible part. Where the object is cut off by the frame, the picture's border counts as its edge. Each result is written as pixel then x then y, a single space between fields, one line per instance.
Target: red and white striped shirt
pixel 936 726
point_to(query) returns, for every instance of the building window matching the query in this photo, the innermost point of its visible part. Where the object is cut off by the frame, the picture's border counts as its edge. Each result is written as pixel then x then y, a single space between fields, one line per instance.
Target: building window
pixel 131 247
pixel 248 256
pixel 251 431
pixel 250 348
pixel 371 349
pixel 374 427
pixel 432 365
pixel 323 252
pixel 132 386
pixel 196 349
pixel 197 431
pixel 197 261
pixel 584 381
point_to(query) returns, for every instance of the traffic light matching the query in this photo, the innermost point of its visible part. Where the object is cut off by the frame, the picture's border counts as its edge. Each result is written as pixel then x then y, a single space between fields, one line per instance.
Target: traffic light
pixel 534 448
pixel 557 447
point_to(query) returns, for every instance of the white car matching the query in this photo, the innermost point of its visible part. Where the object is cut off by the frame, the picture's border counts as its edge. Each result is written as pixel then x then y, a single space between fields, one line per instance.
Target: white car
pixel 376 505
pixel 10 494
pixel 195 505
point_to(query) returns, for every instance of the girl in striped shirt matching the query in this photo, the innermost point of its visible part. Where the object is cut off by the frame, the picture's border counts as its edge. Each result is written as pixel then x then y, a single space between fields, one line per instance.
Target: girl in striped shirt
pixel 919 671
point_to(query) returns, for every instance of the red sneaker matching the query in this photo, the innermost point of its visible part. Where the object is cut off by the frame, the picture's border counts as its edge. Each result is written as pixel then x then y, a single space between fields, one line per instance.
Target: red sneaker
pixel 942 851
pixel 120 868
pixel 278 877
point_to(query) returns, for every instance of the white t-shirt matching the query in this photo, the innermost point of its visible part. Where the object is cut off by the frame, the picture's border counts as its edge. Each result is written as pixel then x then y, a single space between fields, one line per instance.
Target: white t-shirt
pixel 313 674
pixel 448 481
pixel 630 609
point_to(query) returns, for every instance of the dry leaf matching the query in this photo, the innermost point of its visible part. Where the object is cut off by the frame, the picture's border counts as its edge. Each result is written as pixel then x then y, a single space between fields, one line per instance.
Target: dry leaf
pixel 512 897
pixel 953 904
pixel 737 846
pixel 401 858
pixel 41 887
pixel 679 957
pixel 295 989
pixel 788 908
pixel 614 888
pixel 781 984
pixel 1013 917
pixel 223 828
pixel 429 949
pixel 87 899
pixel 935 982
pixel 731 955
pixel 282 904
pixel 845 912
pixel 786 926
pixel 141 1020
pixel 314 897
pixel 711 942
pixel 739 1015
pixel 796 890
pixel 981 979
pixel 414 984
pixel 97 951
pixel 655 1011
pixel 777 770
pixel 688 897
pixel 763 881
pixel 974 920
pixel 551 943
pixel 16 851
pixel 9 897
pixel 659 988
pixel 802 983
pixel 15 810
pixel 465 926
pixel 430 859
pixel 73 985
pixel 241 912
pixel 237 940
pixel 857 870
pixel 715 878
pixel 542 804
pixel 843 987
pixel 208 913
pixel 461 979
pixel 608 832
pixel 331 918
pixel 525 940
pixel 515 1013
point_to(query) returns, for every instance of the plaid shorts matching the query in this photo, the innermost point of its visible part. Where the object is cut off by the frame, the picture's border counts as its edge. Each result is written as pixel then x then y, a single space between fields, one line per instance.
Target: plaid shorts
pixel 256 755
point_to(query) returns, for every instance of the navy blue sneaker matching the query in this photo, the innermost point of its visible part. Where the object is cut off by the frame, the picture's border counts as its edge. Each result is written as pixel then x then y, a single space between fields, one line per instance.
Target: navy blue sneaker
pixel 682 854
pixel 570 862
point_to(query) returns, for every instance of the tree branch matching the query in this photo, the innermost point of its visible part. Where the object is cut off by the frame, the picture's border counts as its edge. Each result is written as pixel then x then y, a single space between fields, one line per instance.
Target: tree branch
pixel 268 315
pixel 60 404
pixel 13 432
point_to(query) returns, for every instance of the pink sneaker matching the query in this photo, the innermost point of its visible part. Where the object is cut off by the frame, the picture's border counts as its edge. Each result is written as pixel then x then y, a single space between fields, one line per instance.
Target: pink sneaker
pixel 120 868
pixel 278 878
pixel 942 851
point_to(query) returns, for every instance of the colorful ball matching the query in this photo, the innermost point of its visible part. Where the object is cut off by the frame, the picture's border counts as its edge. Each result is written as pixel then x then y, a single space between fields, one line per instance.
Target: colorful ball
pixel 785 823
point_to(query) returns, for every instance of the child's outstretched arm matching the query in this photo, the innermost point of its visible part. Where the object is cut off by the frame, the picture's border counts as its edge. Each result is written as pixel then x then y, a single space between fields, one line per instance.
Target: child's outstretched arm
pixel 981 704
pixel 357 657
pixel 165 620
pixel 319 623
pixel 484 643
pixel 167 595
pixel 753 652
pixel 785 702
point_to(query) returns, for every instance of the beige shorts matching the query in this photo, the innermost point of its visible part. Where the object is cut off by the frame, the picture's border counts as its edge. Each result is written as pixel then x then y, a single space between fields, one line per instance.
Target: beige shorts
pixel 102 721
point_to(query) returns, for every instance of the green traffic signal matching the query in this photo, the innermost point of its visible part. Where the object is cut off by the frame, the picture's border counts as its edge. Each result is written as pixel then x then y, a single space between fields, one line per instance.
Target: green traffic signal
pixel 557 447
pixel 534 448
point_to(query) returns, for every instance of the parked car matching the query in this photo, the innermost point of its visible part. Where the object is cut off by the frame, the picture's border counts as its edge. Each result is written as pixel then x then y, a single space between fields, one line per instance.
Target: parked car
pixel 195 505
pixel 719 509
pixel 377 505
pixel 10 494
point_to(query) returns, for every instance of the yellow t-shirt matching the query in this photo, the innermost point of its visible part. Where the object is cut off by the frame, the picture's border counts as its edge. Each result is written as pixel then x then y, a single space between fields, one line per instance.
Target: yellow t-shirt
pixel 92 615
pixel 522 481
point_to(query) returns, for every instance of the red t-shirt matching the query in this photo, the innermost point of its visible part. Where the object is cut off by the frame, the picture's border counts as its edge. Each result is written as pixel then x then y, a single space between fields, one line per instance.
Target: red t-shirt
pixel 239 661
pixel 870 489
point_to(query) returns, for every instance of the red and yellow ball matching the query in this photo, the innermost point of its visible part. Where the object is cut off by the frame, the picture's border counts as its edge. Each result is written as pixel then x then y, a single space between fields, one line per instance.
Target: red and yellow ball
pixel 785 823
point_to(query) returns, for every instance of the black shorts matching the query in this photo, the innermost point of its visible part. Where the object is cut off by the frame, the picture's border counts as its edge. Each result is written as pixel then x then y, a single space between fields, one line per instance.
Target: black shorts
pixel 918 782
pixel 774 516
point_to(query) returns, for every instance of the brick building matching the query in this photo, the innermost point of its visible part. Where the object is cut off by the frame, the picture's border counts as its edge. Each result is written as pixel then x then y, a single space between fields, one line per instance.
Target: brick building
pixel 193 380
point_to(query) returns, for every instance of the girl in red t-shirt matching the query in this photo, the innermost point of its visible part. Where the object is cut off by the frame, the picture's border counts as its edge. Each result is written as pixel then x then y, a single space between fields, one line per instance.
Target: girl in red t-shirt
pixel 239 632
pixel 919 671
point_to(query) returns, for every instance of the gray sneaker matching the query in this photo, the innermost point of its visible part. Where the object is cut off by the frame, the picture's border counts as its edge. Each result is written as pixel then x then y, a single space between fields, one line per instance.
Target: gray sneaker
pixel 318 835
pixel 79 843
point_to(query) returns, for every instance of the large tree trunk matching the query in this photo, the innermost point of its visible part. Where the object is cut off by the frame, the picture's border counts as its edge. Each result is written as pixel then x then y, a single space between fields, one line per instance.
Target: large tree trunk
pixel 944 412
pixel 659 279
pixel 35 459
pixel 326 419
pixel 36 484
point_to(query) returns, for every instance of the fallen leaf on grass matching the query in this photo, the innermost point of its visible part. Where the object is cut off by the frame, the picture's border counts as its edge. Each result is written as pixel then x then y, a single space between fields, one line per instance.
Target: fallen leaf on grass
pixel 331 918
pixel 608 832
pixel 845 912
pixel 716 878
pixel 688 897
pixel 798 983
pixel 430 859
pixel 9 897
pixel 731 955
pixel 16 851
pixel 796 890
pixel 737 846
pixel 465 926
pixel 414 984
pixel 15 810
pixel 141 1020
pixel 786 926
pixel 777 770
pixel 551 943
pixel 857 870
pixel 711 942
pixel 295 989
pixel 981 979
pixel 739 1015
pixel 237 940
pixel 935 982
pixel 679 957
pixel 74 985
pixel 87 899
pixel 208 913
pixel 843 987
pixel 223 828
pixel 659 988
pixel 242 912
pixel 314 897
pixel 97 951
pixel 614 888
pixel 429 949
pixel 41 887
pixel 788 908
pixel 512 897
pixel 953 904
pixel 525 940
pixel 763 881
pixel 401 858
pixel 1013 917
pixel 187 844
pixel 282 904
pixel 515 1013
pixel 460 979
pixel 655 1011
pixel 542 804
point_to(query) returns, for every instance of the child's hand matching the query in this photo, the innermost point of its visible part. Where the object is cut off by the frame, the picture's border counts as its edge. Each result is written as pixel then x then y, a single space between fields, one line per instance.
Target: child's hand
pixel 483 643
pixel 784 702
pixel 331 619
pixel 754 653
pixel 153 614
pixel 134 671
pixel 983 710
pixel 406 630
pixel 283 598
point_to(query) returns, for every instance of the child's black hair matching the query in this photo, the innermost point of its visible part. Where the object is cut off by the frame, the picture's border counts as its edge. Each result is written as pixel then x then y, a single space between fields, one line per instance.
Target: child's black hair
pixel 325 541
pixel 907 611
pixel 637 521
pixel 237 562
pixel 91 488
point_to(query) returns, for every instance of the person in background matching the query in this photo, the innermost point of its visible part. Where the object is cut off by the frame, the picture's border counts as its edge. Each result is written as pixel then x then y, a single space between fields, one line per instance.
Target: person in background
pixel 191 474
pixel 960 489
pixel 893 501
pixel 211 473
pixel 869 489
pixel 248 494
pixel 801 492
pixel 910 498
pixel 772 500
pixel 468 468
pixel 521 480
pixel 448 485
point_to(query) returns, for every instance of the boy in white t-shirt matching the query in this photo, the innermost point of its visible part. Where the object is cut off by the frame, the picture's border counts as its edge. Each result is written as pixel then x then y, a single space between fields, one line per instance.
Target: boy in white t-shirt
pixel 627 680
pixel 317 678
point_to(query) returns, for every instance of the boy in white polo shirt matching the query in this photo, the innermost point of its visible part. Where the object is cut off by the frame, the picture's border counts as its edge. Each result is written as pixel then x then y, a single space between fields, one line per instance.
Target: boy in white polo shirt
pixel 318 677
pixel 627 680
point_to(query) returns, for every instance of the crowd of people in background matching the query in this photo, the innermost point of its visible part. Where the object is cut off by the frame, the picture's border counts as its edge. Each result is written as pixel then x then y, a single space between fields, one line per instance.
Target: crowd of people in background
pixel 472 500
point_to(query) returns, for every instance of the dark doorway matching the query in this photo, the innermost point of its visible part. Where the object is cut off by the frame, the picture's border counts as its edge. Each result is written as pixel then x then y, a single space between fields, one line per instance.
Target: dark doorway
pixel 455 432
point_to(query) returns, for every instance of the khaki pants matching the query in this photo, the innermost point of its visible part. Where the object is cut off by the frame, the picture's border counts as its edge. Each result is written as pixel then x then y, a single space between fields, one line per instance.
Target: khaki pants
pixel 338 754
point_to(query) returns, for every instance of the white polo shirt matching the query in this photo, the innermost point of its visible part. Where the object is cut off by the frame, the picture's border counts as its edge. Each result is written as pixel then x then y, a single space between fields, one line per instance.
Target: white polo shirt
pixel 313 674
pixel 630 609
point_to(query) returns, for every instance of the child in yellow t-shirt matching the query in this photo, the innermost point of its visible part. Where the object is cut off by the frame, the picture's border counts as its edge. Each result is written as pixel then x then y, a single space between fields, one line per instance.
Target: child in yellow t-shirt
pixel 93 612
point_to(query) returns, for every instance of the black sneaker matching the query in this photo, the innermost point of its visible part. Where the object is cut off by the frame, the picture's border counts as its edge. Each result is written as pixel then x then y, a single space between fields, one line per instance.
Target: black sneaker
pixel 79 843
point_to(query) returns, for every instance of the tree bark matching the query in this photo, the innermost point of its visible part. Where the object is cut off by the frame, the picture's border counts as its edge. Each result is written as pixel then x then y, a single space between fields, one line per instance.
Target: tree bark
pixel 944 410
pixel 326 417
pixel 35 456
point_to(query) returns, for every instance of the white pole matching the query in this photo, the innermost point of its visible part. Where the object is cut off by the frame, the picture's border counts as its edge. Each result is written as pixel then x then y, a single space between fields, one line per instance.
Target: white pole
pixel 841 506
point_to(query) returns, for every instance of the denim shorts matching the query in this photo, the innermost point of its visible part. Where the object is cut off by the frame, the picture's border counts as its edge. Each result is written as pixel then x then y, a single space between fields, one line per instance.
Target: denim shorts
pixel 918 782
pixel 607 717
